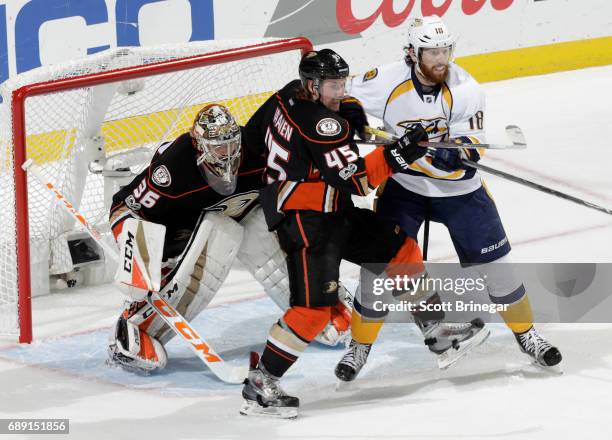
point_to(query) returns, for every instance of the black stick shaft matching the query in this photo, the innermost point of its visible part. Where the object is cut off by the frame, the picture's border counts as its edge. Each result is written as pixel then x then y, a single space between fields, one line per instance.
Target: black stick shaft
pixel 536 186
pixel 425 239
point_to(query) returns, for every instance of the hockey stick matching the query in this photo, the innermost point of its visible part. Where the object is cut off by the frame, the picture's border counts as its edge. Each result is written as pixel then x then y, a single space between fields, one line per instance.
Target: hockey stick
pixel 504 175
pixel 536 186
pixel 426 239
pixel 171 317
pixel 514 133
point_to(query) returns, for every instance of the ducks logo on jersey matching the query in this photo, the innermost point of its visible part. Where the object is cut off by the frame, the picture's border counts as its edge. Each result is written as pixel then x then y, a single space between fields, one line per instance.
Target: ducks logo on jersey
pixel 328 127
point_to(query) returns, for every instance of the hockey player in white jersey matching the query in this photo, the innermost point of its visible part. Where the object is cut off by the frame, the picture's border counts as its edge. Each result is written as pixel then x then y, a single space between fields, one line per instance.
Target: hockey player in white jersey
pixel 186 218
pixel 427 88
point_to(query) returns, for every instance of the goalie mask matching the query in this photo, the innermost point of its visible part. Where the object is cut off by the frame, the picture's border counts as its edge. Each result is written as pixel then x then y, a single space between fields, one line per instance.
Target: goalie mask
pixel 217 138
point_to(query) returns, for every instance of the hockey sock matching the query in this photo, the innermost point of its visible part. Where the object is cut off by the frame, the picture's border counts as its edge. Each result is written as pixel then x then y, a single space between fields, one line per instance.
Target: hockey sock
pixel 290 336
pixel 364 330
pixel 283 348
pixel 518 316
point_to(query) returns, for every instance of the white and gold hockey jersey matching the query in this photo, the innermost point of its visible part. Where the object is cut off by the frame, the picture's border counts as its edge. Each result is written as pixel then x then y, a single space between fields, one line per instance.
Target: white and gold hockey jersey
pixel 391 94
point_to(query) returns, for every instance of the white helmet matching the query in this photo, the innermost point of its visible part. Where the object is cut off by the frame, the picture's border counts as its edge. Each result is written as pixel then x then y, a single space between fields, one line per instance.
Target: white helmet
pixel 428 33
pixel 217 138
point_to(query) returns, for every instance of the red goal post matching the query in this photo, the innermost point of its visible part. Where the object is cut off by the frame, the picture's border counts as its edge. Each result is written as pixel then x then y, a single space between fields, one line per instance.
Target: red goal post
pixel 239 74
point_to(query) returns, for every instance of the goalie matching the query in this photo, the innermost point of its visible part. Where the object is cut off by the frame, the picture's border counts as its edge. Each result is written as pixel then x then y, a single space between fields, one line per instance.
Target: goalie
pixel 181 223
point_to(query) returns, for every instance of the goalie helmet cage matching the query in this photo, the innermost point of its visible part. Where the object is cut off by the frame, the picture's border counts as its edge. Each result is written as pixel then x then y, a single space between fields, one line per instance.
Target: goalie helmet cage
pixel 72 116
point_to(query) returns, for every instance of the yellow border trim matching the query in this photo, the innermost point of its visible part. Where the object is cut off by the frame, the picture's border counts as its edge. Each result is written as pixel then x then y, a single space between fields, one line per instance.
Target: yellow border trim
pixel 538 60
pixel 142 129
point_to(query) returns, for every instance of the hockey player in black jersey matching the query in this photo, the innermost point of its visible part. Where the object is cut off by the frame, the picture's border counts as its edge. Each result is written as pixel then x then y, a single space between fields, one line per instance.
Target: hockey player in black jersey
pixel 312 169
pixel 201 169
pixel 198 202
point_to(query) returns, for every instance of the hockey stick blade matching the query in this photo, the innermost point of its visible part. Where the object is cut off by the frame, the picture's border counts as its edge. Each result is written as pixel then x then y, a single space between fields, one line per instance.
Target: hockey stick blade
pixel 516 136
pixel 213 361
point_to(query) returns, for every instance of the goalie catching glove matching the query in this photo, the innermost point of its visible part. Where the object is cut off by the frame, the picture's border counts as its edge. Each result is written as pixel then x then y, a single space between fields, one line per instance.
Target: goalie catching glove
pixel 405 150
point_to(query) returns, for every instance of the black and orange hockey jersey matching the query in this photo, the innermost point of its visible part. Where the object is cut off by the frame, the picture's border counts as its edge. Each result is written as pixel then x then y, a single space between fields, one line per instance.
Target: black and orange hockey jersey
pixel 312 162
pixel 172 191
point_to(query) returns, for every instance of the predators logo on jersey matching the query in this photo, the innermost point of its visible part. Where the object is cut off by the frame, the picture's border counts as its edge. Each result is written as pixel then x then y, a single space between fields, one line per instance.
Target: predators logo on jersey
pixel 435 128
pixel 370 74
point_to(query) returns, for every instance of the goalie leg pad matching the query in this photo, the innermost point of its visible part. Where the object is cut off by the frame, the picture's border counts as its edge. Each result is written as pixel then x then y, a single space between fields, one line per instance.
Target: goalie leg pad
pixel 201 270
pixel 132 348
pixel 141 245
pixel 261 254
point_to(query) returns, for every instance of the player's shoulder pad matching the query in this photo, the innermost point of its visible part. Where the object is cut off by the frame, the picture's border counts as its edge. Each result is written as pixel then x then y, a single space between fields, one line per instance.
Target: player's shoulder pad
pixel 318 124
pixel 171 163
pixel 383 76
pixel 468 96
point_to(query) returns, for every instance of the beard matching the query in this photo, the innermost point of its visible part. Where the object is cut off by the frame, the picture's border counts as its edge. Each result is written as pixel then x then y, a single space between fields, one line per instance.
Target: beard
pixel 431 75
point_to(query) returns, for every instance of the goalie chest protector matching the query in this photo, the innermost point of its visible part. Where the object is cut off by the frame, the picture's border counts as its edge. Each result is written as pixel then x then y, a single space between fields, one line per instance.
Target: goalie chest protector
pixel 172 190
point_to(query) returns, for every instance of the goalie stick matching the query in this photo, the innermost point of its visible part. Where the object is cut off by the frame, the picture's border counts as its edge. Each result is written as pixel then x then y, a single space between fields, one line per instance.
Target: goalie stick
pixel 225 372
pixel 515 134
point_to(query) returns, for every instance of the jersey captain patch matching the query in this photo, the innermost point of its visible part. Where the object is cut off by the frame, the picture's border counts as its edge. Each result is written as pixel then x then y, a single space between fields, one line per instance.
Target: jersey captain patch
pixel 161 176
pixel 328 127
pixel 370 74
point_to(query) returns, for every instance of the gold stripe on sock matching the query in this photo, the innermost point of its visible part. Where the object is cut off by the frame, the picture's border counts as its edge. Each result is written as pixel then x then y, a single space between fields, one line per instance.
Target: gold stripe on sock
pixel 364 331
pixel 286 340
pixel 518 316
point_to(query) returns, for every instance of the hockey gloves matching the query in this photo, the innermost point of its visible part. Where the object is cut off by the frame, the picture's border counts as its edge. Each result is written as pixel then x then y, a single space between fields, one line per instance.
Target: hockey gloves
pixel 450 160
pixel 406 150
pixel 446 159
pixel 352 110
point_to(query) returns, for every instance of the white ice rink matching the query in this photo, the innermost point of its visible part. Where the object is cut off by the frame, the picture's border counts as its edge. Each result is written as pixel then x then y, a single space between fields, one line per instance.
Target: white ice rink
pixel 495 393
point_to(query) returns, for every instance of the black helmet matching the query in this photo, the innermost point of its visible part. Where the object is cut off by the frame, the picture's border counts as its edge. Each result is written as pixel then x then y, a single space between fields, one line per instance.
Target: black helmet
pixel 322 64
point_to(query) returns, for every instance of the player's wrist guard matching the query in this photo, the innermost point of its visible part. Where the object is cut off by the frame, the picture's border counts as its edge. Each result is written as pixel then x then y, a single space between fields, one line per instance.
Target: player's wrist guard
pixel 352 110
pixel 451 160
pixel 401 153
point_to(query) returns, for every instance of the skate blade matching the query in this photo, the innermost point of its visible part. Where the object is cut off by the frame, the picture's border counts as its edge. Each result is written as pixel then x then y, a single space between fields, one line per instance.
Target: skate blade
pixel 342 386
pixel 554 369
pixel 451 356
pixel 252 408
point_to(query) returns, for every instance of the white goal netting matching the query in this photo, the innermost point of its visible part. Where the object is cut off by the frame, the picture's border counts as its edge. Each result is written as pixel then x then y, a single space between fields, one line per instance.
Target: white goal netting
pixel 89 140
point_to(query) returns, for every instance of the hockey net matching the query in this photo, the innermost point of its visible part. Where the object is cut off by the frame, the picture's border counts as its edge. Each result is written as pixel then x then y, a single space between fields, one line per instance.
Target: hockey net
pixel 90 125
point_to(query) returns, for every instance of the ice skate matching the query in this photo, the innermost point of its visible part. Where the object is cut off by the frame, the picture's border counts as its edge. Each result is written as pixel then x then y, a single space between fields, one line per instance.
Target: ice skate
pixel 353 361
pixel 263 396
pixel 538 348
pixel 134 350
pixel 451 342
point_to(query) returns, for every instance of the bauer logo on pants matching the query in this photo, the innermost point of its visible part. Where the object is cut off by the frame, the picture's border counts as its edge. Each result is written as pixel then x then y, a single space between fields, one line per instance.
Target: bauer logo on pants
pixel 161 176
